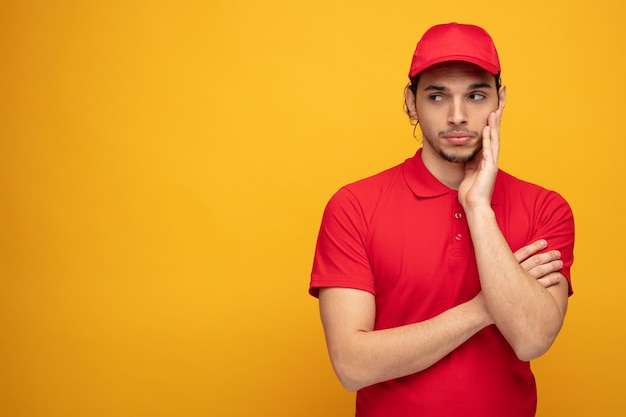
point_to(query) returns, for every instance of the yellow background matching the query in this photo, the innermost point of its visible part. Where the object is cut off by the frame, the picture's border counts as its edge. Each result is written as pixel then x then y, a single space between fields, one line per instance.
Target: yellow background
pixel 164 166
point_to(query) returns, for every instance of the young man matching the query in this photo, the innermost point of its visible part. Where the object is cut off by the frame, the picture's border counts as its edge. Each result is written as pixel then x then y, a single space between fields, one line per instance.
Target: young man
pixel 439 279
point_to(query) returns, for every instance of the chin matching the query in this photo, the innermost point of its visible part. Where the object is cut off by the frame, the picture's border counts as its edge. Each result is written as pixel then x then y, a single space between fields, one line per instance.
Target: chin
pixel 459 157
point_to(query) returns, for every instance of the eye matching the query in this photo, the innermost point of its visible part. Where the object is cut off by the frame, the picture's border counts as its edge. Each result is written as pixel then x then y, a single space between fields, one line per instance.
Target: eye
pixel 476 96
pixel 435 97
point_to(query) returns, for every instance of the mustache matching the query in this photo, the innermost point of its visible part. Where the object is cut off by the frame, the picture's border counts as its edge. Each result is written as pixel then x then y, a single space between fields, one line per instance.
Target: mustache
pixel 456 131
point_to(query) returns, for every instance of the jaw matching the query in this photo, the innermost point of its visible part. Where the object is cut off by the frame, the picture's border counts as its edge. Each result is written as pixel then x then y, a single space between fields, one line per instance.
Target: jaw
pixel 457 154
pixel 460 157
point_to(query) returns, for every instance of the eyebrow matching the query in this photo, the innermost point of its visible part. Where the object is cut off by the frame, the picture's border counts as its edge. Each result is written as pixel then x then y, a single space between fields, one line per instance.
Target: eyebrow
pixel 442 88
pixel 479 85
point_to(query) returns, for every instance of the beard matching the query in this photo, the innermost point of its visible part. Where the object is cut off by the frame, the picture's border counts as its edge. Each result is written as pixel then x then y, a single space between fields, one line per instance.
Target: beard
pixel 459 156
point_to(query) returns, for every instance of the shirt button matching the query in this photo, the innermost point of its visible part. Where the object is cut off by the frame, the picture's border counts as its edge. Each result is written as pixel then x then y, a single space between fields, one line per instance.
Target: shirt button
pixel 457 215
pixel 458 236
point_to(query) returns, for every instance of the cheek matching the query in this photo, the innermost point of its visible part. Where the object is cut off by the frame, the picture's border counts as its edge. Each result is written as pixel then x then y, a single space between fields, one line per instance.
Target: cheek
pixel 430 122
pixel 427 117
pixel 481 116
pixel 430 130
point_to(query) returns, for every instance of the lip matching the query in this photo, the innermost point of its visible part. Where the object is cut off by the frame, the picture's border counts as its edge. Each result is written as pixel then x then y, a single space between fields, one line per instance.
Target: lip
pixel 458 138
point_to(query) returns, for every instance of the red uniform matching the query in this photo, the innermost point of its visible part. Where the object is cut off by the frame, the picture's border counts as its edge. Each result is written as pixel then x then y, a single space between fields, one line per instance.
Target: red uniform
pixel 402 236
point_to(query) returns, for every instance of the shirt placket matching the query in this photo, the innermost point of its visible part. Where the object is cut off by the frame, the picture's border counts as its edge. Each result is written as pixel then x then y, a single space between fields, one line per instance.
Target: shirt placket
pixel 460 231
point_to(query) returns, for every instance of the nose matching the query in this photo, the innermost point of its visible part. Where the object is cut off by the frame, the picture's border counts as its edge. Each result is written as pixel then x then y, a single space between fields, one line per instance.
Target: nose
pixel 457 113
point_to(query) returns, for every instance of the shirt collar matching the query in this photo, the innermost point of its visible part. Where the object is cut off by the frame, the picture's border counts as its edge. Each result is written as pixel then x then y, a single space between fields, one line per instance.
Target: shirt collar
pixel 424 184
pixel 420 180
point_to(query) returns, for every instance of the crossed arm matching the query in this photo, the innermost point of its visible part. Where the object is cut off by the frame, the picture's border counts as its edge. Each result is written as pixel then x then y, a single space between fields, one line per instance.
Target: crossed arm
pixel 363 356
pixel 528 315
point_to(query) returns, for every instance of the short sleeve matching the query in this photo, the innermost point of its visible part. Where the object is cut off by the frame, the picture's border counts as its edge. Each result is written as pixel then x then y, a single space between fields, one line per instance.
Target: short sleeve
pixel 341 252
pixel 556 226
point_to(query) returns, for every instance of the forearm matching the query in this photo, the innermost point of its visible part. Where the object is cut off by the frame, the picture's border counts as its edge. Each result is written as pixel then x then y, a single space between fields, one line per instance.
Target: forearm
pixel 363 356
pixel 525 312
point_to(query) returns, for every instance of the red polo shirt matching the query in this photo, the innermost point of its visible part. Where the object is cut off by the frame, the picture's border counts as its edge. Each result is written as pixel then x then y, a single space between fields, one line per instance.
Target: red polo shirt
pixel 402 235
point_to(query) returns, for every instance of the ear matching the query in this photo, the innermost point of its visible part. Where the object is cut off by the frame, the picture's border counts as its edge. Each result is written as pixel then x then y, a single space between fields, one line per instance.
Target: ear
pixel 501 97
pixel 409 100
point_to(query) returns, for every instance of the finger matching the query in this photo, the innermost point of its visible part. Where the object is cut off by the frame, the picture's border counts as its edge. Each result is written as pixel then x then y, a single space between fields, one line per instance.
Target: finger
pixel 540 259
pixel 490 151
pixel 542 263
pixel 528 250
pixel 494 133
pixel 486 152
pixel 545 269
pixel 490 140
pixel 550 280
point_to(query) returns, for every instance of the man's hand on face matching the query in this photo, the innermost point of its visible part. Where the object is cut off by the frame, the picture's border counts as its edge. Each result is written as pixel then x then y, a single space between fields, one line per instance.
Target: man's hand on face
pixel 480 174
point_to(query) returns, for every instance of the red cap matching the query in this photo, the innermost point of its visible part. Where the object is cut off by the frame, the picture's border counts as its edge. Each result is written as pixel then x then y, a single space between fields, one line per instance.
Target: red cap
pixel 455 42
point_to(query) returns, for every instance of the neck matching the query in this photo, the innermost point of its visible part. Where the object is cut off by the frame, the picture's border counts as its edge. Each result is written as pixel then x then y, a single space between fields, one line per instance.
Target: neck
pixel 450 174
